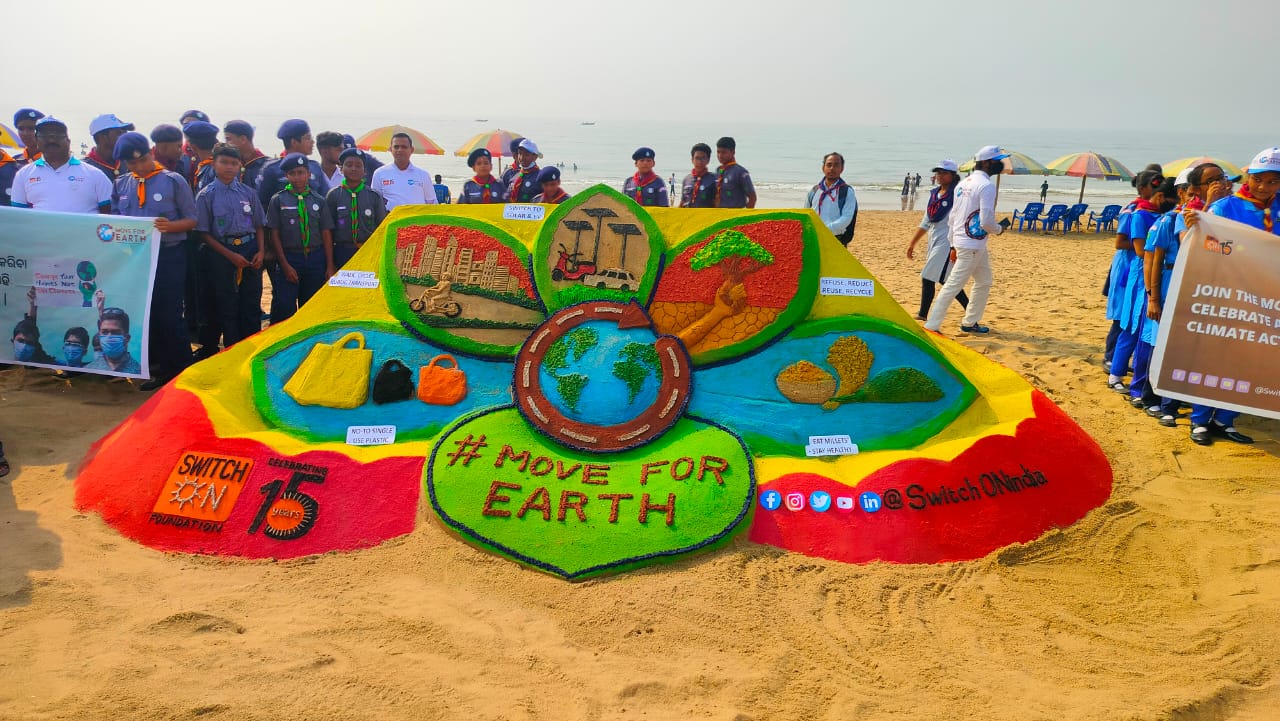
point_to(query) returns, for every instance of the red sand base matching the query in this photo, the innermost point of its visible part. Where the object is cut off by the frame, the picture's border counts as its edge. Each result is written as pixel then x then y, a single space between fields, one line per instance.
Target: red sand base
pixel 1003 490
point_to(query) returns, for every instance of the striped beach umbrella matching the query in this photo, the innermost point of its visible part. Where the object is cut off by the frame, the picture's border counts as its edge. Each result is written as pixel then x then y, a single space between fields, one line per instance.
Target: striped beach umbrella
pixel 1172 169
pixel 9 138
pixel 1089 165
pixel 497 142
pixel 380 139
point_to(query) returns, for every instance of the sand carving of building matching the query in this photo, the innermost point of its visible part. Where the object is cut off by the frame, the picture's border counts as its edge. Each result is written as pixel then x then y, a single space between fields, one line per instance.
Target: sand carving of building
pixel 434 262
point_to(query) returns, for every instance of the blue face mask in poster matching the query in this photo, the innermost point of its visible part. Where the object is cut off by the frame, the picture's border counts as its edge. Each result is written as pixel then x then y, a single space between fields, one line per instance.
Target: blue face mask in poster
pixel 113 346
pixel 23 351
pixel 74 353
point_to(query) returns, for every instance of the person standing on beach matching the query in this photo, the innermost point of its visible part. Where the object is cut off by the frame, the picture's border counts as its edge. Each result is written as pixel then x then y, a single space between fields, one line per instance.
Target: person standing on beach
pixel 973 221
pixel 402 182
pixel 834 200
pixel 482 188
pixel 296 136
pixel 106 130
pixel 239 135
pixel 699 187
pixel 906 189
pixel 355 211
pixel 46 184
pixel 734 188
pixel 936 223
pixel 166 146
pixel 1124 265
pixel 24 121
pixel 549 182
pixel 1044 190
pixel 524 183
pixel 198 166
pixel 645 186
pixel 302 238
pixel 329 146
pixel 513 149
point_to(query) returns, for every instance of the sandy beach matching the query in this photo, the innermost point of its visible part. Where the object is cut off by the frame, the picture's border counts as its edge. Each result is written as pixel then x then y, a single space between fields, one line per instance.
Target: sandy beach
pixel 1162 604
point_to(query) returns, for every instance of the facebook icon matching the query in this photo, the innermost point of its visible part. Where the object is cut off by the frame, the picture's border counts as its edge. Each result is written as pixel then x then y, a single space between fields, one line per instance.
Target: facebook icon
pixel 870 501
pixel 770 500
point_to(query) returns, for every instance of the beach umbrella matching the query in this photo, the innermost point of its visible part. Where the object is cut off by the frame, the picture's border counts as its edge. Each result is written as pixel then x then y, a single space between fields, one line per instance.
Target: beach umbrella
pixel 497 142
pixel 1089 165
pixel 1016 164
pixel 380 139
pixel 9 137
pixel 1172 169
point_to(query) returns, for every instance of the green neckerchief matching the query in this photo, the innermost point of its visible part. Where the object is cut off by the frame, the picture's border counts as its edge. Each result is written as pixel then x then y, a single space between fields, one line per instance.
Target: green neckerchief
pixel 355 213
pixel 303 218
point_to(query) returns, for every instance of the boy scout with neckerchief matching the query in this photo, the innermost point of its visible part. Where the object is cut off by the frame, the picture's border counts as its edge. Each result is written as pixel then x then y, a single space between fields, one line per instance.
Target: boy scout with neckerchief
pixel 230 218
pixel 355 211
pixel 302 238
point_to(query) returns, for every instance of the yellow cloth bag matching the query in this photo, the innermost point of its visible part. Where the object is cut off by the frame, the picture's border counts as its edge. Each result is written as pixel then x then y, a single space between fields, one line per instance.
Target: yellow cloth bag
pixel 333 376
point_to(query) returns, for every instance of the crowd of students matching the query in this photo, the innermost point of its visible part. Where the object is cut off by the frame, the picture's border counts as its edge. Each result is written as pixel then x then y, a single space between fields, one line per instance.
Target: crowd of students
pixel 1148 242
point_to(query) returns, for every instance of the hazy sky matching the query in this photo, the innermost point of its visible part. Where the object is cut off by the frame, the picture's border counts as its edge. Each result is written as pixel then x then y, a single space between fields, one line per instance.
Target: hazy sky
pixel 1081 64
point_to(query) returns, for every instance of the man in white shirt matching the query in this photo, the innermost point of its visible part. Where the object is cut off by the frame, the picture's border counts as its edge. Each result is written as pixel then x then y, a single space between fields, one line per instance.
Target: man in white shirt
pixel 834 199
pixel 58 181
pixel 402 182
pixel 973 219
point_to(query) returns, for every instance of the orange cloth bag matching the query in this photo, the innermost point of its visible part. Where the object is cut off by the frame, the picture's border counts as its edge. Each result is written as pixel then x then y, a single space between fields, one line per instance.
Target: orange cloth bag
pixel 439 385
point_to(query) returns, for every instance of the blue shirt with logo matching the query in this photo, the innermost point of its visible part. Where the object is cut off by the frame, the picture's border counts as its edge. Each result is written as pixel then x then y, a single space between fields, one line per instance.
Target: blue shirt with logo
pixel 1242 211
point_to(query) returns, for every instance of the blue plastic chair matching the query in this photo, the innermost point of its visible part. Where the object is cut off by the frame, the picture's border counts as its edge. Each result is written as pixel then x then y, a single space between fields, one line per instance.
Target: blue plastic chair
pixel 1104 220
pixel 1030 215
pixel 1072 216
pixel 1052 218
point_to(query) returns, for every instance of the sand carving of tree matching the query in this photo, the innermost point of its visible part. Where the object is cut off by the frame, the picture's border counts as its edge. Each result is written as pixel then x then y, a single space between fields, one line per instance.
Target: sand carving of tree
pixel 737 256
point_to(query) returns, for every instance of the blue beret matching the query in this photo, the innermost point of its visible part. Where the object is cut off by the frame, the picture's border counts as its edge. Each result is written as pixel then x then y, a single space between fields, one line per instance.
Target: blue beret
pixel 547 175
pixel 197 114
pixel 200 129
pixel 476 155
pixel 293 160
pixel 350 153
pixel 131 146
pixel 27 114
pixel 165 133
pixel 513 146
pixel 348 141
pixel 643 154
pixel 49 120
pixel 238 127
pixel 293 128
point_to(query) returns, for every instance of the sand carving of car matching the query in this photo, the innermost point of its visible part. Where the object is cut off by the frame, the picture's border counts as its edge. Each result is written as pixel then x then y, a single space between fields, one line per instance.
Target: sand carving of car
pixel 616 278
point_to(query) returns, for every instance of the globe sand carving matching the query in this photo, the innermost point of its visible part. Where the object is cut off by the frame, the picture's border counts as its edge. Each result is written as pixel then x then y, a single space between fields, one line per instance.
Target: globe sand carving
pixel 606 388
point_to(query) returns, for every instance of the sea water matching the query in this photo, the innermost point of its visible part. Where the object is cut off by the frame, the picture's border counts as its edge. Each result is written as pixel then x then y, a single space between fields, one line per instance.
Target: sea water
pixel 784 159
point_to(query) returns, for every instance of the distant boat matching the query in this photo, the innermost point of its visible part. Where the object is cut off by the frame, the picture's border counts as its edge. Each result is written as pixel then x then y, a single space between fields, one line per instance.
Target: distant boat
pixel 482 120
pixel 588 122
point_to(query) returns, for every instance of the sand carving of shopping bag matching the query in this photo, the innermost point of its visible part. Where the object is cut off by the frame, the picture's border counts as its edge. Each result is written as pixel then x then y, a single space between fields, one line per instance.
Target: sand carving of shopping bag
pixel 439 385
pixel 333 376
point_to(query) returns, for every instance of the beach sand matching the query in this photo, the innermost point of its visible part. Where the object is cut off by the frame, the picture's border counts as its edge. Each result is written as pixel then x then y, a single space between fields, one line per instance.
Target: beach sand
pixel 1162 604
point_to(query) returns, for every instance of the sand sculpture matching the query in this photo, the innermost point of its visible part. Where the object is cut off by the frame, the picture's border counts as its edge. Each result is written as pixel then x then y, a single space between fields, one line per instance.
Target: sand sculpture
pixel 604 387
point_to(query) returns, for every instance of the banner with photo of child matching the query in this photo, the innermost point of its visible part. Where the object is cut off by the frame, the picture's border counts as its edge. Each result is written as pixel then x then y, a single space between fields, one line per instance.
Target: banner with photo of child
pixel 1219 341
pixel 75 290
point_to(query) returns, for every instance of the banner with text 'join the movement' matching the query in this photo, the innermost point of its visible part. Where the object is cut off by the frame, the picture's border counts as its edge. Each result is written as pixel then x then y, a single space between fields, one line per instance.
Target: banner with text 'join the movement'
pixel 1219 341
pixel 75 290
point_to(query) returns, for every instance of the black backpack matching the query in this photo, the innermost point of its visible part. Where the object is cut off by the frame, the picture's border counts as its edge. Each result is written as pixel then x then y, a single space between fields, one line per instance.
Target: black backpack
pixel 394 382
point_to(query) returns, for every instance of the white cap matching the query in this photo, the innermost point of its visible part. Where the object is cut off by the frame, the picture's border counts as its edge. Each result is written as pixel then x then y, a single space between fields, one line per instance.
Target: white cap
pixel 1183 177
pixel 107 122
pixel 947 164
pixel 530 146
pixel 991 152
pixel 1268 161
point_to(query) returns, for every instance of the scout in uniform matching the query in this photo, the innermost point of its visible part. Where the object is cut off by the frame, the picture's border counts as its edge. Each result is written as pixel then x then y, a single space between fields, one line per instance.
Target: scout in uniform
pixel 370 163
pixel 698 190
pixel 8 169
pixel 230 219
pixel 355 211
pixel 483 187
pixel 301 235
pixel 733 182
pixel 329 145
pixel 106 130
pixel 191 116
pixel 513 148
pixel 524 183
pixel 166 146
pixel 239 135
pixel 197 167
pixel 552 193
pixel 296 136
pixel 56 180
pixel 201 137
pixel 24 121
pixel 148 190
pixel 645 187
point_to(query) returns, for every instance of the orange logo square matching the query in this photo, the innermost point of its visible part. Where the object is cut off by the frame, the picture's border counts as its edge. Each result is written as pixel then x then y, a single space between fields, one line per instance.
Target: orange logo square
pixel 204 486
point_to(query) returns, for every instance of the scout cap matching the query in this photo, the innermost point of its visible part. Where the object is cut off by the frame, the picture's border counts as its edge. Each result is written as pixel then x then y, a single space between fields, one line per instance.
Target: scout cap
pixel 643 154
pixel 293 160
pixel 132 146
pixel 27 114
pixel 476 155
pixel 348 140
pixel 107 121
pixel 199 129
pixel 546 175
pixel 350 153
pixel 239 127
pixel 1267 161
pixel 990 152
pixel 293 128
pixel 513 146
pixel 528 145
pixel 195 115
pixel 48 121
pixel 948 165
pixel 165 133
pixel 1183 178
